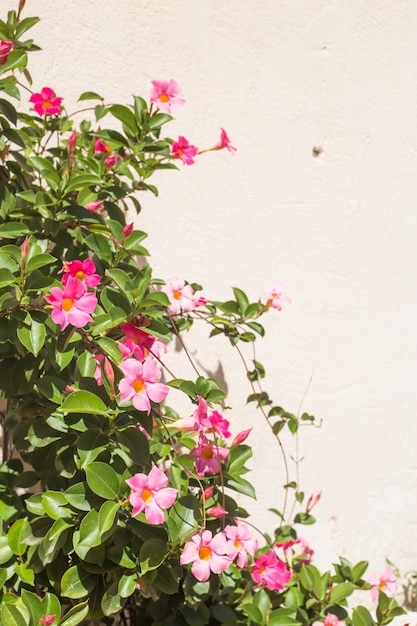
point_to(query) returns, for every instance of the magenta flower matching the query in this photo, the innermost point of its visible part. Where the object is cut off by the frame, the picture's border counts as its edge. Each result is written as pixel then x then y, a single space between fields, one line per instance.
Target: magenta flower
pixel 225 142
pixel 242 541
pixel 151 494
pixel 5 48
pixel 73 304
pixel 164 93
pixel 385 582
pixel 270 572
pixel 45 102
pixel 137 341
pixel 330 620
pixel 100 146
pixel 140 384
pixel 182 149
pixel 275 297
pixel 295 549
pixel 208 457
pixel 93 206
pixel 207 554
pixel 83 270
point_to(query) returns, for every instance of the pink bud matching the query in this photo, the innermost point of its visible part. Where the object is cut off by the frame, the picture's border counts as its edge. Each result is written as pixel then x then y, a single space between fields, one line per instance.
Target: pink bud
pixel 69 389
pixel 5 48
pixel 72 140
pixel 47 620
pixel 241 437
pixel 127 231
pixel 24 249
pixel 108 370
pixel 93 206
pixel 216 511
pixel 312 501
pixel 208 493
pixel 111 160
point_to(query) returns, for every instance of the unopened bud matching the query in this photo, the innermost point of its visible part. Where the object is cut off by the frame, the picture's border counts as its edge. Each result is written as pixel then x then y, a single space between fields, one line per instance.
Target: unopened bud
pixel 312 501
pixel 241 437
pixel 127 231
pixel 208 493
pixel 216 511
pixel 108 370
pixel 24 249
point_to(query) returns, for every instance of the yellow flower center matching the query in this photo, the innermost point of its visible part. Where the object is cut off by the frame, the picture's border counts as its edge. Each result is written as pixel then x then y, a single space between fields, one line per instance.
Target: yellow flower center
pixel 146 495
pixel 46 104
pixel 163 97
pixel 67 304
pixel 80 275
pixel 204 553
pixel 207 453
pixel 138 385
pixel 238 544
pixel 382 585
pixel 177 294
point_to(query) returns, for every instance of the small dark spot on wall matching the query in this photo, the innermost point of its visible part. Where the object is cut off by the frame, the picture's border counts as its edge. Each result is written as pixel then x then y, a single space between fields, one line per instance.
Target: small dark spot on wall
pixel 317 150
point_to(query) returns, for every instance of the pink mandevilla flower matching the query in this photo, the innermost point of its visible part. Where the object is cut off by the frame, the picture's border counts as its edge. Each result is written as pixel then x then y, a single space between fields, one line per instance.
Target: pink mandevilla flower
pixel 111 160
pixel 164 93
pixel 385 582
pixel 73 304
pixel 225 142
pixel 270 572
pixel 180 295
pixel 182 149
pixel 208 457
pixel 275 297
pixel 137 341
pixel 330 620
pixel 242 541
pixel 207 554
pixel 140 383
pixel 151 494
pixel 296 549
pixel 83 270
pixel 93 206
pixel 5 48
pixel 100 146
pixel 45 102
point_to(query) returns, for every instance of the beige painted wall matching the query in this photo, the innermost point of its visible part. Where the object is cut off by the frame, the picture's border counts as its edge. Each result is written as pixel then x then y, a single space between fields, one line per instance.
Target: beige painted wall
pixel 339 229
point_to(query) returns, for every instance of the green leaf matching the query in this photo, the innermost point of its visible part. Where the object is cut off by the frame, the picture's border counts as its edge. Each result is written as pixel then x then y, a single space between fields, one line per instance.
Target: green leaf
pixel 6 277
pixel 83 180
pixel 242 299
pixel 11 616
pixel 52 388
pixel 32 334
pixel 75 615
pixel 127 118
pixel 135 444
pixel 90 95
pixel 362 617
pixel 17 535
pixel 39 260
pixel 110 348
pixel 34 605
pixel 90 444
pixel 157 120
pixel 127 584
pixel 107 517
pixel 53 503
pixel 152 554
pixel 358 570
pixel 341 592
pixel 184 517
pixel 103 480
pixel 254 613
pixel 83 402
pixel 77 583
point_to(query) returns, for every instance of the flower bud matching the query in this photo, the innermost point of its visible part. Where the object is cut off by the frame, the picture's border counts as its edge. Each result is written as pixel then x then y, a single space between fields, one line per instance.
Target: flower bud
pixel 127 231
pixel 241 437
pixel 24 249
pixel 216 511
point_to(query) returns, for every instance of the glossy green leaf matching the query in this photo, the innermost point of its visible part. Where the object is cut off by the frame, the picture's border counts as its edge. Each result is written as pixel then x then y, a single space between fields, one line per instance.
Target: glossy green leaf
pixel 17 535
pixel 103 480
pixel 11 616
pixel 77 583
pixel 152 554
pixel 83 402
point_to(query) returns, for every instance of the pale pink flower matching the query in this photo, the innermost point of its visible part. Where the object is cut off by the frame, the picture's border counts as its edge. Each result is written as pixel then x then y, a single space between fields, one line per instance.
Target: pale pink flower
pixel 140 384
pixel 5 48
pixel 182 149
pixel 151 494
pixel 180 295
pixel 270 572
pixel 48 620
pixel 45 102
pixel 93 206
pixel 208 457
pixel 297 549
pixel 385 582
pixel 83 270
pixel 330 620
pixel 243 542
pixel 225 142
pixel 73 304
pixel 207 554
pixel 164 93
pixel 275 297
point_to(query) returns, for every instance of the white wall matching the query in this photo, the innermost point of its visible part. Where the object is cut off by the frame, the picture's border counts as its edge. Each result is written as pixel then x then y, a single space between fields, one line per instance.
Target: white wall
pixel 339 229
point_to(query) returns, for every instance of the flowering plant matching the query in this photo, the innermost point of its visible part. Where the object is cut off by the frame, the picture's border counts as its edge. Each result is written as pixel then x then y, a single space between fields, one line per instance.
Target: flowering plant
pixel 114 506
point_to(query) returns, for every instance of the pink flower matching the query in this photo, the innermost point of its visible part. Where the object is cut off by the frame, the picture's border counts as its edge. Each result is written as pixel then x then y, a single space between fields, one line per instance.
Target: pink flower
pixel 275 297
pixel 83 270
pixel 111 160
pixel 330 620
pixel 225 142
pixel 269 571
pixel 208 457
pixel 183 150
pixel 98 358
pixel 180 295
pixel 242 541
pixel 140 384
pixel 137 341
pixel 47 620
pixel 207 554
pixel 100 146
pixel 385 582
pixel 93 206
pixel 164 94
pixel 296 549
pixel 151 494
pixel 215 423
pixel 5 48
pixel 45 102
pixel 72 305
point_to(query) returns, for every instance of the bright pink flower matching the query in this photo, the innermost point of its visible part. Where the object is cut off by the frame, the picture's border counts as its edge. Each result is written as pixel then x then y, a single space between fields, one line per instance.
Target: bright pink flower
pixel 194 422
pixel 140 383
pixel 216 511
pixel 183 150
pixel 225 142
pixel 83 270
pixel 269 571
pixel 208 457
pixel 242 541
pixel 137 341
pixel 180 295
pixel 275 297
pixel 207 554
pixel 111 160
pixel 100 146
pixel 330 620
pixel 5 48
pixel 385 582
pixel 45 102
pixel 215 423
pixel 295 549
pixel 48 620
pixel 72 305
pixel 93 206
pixel 151 494
pixel 164 93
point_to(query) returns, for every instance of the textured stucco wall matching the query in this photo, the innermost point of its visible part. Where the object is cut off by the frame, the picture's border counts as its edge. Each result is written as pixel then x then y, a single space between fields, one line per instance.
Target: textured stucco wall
pixel 339 229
